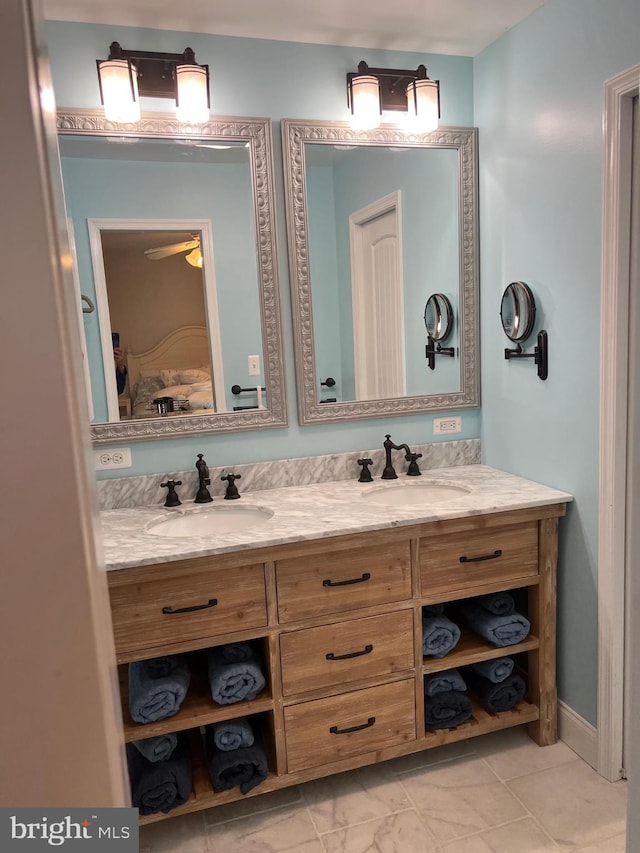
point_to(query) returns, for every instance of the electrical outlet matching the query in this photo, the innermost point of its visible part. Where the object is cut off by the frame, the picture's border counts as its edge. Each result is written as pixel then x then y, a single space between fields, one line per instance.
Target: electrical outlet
pixel 105 460
pixel 442 426
pixel 253 365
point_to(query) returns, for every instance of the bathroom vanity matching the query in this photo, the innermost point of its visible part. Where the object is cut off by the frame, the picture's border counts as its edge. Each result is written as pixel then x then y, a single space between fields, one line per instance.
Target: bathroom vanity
pixel 330 587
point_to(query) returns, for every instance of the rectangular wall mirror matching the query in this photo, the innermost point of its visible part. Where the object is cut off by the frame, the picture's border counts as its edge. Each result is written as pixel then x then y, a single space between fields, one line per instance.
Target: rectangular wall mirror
pixel 175 256
pixel 377 222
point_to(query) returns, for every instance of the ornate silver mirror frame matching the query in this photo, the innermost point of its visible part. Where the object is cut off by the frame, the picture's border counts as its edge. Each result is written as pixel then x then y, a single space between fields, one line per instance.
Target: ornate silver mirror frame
pixel 257 133
pixel 295 134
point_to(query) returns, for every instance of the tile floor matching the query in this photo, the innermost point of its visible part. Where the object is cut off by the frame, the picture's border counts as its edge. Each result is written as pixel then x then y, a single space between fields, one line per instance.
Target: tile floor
pixel 496 794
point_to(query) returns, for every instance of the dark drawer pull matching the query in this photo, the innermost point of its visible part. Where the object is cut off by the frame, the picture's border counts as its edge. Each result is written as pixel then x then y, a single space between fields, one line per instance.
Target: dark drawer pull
pixel 336 731
pixel 493 556
pixel 170 611
pixel 367 649
pixel 365 577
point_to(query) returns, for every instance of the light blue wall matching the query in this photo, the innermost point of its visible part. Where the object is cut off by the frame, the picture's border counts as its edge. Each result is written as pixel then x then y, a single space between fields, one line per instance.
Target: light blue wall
pixel 257 77
pixel 539 107
pixel 117 189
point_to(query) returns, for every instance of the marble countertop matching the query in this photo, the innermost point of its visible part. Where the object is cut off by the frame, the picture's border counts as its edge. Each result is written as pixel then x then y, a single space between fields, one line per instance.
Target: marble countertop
pixel 316 511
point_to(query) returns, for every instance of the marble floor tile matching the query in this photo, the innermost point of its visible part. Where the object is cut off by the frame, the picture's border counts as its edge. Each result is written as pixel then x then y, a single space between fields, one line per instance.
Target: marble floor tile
pixel 354 797
pixel 429 757
pixel 402 832
pixel 252 805
pixel 460 797
pixel 285 830
pixel 609 845
pixel 521 836
pixel 185 833
pixel 574 805
pixel 512 753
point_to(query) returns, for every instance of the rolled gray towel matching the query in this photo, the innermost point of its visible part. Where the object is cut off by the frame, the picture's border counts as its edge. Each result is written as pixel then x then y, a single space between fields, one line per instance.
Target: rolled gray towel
pixel 157 687
pixel 245 767
pixel 498 697
pixel 499 630
pixel 442 682
pixel 498 603
pixel 157 748
pixel 232 734
pixel 447 710
pixel 235 652
pixel 234 673
pixel 163 785
pixel 439 636
pixel 495 670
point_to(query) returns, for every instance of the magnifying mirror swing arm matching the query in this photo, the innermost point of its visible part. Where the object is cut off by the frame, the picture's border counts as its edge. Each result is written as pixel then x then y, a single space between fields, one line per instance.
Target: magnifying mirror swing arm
pixel 540 354
pixel 434 348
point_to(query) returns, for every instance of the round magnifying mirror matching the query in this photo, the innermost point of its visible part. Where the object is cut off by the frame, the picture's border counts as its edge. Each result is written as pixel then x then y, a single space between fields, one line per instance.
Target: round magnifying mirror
pixel 517 311
pixel 438 317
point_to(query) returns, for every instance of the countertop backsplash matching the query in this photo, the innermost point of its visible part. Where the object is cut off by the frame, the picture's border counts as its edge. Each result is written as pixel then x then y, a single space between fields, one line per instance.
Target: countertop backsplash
pixel 127 492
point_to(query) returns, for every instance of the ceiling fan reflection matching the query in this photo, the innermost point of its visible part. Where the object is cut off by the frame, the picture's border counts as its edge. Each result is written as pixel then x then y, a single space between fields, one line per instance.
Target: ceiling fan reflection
pixel 194 256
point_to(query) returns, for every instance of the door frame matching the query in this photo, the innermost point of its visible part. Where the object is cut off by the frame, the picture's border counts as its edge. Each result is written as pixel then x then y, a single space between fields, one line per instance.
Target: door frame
pixel 619 92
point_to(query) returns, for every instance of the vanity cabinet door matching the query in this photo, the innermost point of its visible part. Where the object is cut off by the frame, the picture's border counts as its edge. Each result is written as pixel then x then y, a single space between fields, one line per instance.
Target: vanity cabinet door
pixel 346 651
pixel 327 730
pixel 342 580
pixel 167 605
pixel 452 564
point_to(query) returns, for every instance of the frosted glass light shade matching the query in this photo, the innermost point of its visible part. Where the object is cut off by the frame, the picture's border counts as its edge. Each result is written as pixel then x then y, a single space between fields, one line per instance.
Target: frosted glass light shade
pixel 365 102
pixel 119 83
pixel 422 106
pixel 192 101
pixel 194 258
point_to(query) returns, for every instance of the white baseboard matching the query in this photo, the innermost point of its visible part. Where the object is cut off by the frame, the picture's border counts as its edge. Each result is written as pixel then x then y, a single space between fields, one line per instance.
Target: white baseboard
pixel 578 734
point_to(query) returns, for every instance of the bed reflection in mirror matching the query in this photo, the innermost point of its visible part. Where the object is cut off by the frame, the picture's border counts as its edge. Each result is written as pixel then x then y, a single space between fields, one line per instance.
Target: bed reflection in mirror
pixel 162 315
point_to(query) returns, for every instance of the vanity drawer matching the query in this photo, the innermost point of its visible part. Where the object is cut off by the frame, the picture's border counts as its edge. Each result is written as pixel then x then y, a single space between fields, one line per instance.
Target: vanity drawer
pixel 327 730
pixel 458 562
pixel 347 651
pixel 174 606
pixel 342 580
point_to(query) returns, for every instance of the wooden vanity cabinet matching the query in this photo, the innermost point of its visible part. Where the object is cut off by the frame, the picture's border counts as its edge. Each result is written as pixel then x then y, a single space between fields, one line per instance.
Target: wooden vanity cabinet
pixel 338 622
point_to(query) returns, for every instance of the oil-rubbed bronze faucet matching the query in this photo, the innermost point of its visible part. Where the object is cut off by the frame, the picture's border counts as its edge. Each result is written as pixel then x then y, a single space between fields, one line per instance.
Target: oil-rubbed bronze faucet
pixel 204 480
pixel 389 472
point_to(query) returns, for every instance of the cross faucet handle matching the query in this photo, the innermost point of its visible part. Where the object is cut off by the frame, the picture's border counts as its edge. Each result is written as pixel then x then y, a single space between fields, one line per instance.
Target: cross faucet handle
pixel 413 470
pixel 232 493
pixel 365 474
pixel 172 495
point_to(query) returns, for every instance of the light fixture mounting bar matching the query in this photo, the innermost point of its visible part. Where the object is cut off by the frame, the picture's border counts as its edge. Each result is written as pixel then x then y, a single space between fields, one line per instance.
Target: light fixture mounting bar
pixel 392 82
pixel 156 72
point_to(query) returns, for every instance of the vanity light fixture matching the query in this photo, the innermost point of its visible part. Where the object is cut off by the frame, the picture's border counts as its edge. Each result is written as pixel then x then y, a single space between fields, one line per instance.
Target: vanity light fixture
pixel 372 90
pixel 128 74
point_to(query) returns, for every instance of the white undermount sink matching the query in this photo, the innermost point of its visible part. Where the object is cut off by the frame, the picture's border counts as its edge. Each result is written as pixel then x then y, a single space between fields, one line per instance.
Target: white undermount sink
pixel 416 495
pixel 212 521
